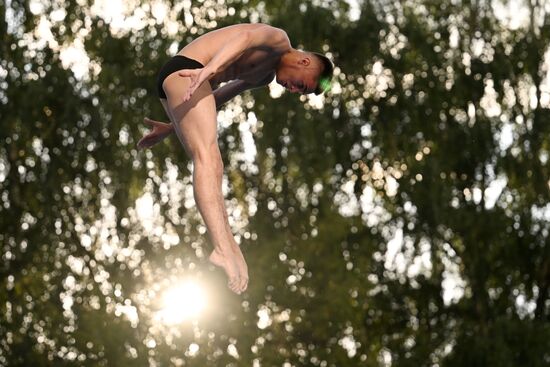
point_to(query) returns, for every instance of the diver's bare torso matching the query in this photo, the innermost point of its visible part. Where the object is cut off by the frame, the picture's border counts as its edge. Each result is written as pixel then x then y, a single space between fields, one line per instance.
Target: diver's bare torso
pixel 254 65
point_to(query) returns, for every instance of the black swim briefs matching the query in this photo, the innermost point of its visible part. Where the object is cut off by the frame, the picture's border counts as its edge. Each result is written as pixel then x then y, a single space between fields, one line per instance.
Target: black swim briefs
pixel 176 63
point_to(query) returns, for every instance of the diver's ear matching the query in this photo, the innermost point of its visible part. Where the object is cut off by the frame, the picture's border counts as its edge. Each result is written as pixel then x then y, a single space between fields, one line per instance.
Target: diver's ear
pixel 305 61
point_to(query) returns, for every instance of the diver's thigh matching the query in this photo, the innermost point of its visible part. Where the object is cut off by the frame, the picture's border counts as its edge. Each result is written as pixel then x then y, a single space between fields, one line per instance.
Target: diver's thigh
pixel 194 120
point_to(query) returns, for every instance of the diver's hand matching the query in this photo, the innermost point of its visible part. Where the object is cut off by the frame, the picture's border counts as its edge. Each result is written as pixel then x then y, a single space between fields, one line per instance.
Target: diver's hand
pixel 198 76
pixel 159 131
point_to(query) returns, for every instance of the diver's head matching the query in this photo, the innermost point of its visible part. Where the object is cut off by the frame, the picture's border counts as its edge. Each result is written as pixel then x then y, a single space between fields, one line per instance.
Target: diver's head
pixel 304 72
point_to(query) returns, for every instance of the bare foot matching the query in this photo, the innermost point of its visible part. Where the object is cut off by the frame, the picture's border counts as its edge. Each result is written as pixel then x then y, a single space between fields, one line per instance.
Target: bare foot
pixel 241 265
pixel 227 261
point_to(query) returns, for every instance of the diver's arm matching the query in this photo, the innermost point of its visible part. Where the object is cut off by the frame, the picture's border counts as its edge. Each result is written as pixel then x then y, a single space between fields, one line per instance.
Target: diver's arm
pixel 229 91
pixel 236 87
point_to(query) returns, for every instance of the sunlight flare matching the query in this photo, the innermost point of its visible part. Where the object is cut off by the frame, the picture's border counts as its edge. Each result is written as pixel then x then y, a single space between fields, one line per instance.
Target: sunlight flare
pixel 183 302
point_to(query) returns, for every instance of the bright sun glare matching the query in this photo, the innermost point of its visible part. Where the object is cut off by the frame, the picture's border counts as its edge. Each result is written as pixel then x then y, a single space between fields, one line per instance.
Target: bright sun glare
pixel 182 302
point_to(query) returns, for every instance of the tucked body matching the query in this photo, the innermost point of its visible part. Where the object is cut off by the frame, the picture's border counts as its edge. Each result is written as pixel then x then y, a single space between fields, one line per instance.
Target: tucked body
pixel 241 57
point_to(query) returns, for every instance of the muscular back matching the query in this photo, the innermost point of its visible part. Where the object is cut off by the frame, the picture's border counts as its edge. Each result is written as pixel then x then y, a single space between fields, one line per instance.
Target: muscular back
pixel 254 65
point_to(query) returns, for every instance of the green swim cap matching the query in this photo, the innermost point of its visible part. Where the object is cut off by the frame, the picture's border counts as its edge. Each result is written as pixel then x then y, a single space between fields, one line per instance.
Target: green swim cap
pixel 324 84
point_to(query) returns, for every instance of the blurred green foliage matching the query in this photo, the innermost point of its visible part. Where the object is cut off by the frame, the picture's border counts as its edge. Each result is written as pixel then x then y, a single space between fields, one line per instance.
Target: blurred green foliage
pixel 405 222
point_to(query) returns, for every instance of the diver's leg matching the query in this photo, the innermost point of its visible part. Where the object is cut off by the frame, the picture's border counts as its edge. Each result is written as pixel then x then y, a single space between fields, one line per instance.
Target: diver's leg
pixel 196 126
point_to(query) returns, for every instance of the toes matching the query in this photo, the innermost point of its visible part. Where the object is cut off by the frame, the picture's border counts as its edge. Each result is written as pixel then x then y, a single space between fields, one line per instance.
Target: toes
pixel 244 284
pixel 234 284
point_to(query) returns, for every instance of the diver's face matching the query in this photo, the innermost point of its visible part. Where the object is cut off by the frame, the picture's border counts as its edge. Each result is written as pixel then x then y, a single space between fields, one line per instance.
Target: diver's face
pixel 301 80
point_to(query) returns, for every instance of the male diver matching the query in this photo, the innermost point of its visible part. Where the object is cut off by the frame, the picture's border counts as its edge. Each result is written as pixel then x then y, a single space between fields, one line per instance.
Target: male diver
pixel 246 56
